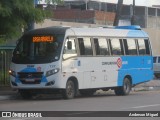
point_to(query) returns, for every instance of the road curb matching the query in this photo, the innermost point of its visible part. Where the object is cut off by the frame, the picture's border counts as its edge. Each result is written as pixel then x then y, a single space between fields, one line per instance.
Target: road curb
pixel 145 88
pixel 151 85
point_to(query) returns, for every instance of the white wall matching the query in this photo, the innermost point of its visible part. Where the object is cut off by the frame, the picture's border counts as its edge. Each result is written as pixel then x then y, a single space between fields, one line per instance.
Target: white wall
pixel 154 35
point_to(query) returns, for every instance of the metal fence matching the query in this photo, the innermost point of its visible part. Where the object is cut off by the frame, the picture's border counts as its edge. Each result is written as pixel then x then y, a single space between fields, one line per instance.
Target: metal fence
pixel 5 60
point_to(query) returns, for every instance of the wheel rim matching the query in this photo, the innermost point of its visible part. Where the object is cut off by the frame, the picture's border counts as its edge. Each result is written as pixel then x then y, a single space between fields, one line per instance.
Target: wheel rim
pixel 70 89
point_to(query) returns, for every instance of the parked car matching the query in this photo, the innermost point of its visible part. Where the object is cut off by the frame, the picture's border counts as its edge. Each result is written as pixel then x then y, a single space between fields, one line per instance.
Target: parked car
pixel 156 66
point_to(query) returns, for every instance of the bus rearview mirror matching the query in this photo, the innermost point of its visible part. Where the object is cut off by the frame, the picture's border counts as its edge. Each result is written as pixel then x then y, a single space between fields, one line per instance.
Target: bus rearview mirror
pixel 69 45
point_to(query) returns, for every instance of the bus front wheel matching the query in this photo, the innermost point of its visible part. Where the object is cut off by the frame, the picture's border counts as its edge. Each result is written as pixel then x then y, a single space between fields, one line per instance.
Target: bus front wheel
pixel 69 92
pixel 125 89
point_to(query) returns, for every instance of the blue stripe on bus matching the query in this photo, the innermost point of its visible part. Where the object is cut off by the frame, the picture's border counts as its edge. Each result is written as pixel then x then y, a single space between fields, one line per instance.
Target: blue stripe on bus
pixel 136 34
pixel 138 67
pixel 30 69
pixel 130 27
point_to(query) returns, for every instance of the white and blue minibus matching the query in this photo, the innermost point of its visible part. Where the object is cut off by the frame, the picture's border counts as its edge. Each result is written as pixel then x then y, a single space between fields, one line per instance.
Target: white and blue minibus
pixel 81 60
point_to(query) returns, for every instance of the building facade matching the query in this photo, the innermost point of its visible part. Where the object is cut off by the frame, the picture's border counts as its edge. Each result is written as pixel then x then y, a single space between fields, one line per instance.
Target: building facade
pixel 103 13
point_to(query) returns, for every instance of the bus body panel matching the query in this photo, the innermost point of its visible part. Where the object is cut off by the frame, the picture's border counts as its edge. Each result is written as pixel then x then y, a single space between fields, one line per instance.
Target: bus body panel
pixel 138 68
pixel 26 76
pixel 95 72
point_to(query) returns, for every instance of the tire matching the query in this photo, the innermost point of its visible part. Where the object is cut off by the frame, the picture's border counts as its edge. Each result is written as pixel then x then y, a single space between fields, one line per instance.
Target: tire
pixel 125 89
pixel 25 94
pixel 69 92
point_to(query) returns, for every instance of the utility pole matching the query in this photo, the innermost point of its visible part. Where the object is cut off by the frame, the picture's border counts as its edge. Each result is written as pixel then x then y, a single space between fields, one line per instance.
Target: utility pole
pixel 133 14
pixel 86 4
pixel 31 24
pixel 118 12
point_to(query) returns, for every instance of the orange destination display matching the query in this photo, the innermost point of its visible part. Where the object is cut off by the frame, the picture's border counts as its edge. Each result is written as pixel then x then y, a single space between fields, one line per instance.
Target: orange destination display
pixel 43 39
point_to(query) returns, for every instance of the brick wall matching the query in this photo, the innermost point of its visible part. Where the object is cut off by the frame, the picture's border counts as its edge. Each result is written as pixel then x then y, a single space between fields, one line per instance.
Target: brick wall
pixel 87 16
pixel 108 16
pixel 72 14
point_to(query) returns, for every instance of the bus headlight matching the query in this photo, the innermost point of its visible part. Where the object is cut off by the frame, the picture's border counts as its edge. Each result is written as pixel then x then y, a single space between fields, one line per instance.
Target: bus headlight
pixel 51 72
pixel 13 73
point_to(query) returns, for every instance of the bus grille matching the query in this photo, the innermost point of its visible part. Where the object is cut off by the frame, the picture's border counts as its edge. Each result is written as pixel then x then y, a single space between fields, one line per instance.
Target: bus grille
pixel 30 77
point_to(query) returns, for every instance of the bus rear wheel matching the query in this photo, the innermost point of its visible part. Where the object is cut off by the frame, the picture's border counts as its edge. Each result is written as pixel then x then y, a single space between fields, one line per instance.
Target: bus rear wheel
pixel 125 89
pixel 69 92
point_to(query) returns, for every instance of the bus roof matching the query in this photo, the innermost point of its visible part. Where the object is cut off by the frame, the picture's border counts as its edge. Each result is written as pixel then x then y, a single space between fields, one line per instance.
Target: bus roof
pixel 111 32
pixel 47 30
pixel 120 31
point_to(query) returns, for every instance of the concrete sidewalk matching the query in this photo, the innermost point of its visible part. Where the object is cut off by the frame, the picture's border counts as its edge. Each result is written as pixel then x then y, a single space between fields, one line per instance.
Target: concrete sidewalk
pixel 151 85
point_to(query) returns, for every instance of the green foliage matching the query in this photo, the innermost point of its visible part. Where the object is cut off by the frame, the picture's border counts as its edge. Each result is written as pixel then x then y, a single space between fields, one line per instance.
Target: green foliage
pixel 17 14
pixel 2 40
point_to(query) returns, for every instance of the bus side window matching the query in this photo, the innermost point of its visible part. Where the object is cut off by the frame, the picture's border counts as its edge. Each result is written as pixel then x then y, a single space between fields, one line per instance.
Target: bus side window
pixel 115 46
pixel 130 47
pixel 81 46
pixel 69 48
pixel 85 46
pixel 121 45
pixel 141 47
pixel 101 46
pixel 126 46
pixel 96 44
pixel 147 46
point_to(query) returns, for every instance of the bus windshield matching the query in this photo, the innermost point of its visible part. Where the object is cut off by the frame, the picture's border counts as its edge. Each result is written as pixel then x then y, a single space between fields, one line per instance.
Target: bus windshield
pixel 38 49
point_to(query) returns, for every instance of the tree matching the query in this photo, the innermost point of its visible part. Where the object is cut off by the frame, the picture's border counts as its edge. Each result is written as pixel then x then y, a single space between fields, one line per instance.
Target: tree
pixel 16 14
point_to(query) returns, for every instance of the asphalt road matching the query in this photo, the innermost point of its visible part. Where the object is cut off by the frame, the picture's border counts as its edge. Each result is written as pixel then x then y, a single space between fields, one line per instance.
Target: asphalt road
pixel 87 106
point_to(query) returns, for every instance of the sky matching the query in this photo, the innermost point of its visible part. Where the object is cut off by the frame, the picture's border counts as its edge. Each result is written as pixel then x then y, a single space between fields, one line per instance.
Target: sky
pixel 138 2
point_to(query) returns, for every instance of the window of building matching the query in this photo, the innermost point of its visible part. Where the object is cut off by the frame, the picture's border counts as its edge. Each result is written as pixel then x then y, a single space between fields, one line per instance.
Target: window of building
pixel 158 12
pixel 152 11
pixel 158 59
pixel 154 59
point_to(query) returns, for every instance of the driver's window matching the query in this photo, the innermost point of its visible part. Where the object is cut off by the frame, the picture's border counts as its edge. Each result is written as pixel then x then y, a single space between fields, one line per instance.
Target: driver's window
pixel 69 48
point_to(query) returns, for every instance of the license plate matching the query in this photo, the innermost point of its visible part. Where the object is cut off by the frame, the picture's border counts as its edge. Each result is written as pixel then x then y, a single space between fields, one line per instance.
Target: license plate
pixel 29 80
